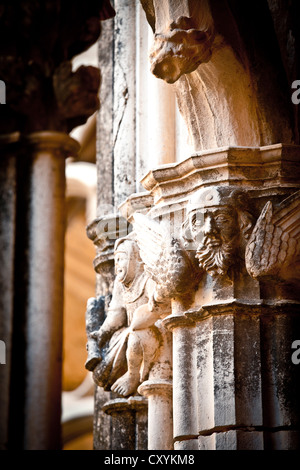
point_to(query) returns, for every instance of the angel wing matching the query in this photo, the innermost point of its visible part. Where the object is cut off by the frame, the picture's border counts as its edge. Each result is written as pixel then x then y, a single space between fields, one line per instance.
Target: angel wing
pixel 165 260
pixel 274 245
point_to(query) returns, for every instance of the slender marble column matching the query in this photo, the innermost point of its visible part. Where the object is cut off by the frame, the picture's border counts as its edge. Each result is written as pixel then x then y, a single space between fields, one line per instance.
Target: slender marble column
pixel 44 307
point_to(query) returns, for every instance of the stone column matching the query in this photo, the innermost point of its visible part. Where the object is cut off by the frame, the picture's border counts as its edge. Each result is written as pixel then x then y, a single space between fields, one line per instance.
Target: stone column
pixel 103 232
pixel 129 426
pixel 159 391
pixel 229 389
pixel 160 429
pixel 44 306
pixel 49 101
pixel 8 175
pixel 118 177
pixel 185 433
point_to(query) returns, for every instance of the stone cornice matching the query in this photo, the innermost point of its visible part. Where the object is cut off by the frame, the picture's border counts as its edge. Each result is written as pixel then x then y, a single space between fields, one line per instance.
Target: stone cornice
pixel 190 318
pixel 137 202
pixel 262 168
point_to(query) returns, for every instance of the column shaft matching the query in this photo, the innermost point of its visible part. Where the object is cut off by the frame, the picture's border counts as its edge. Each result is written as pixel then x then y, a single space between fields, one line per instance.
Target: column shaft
pixel 44 308
pixel 7 253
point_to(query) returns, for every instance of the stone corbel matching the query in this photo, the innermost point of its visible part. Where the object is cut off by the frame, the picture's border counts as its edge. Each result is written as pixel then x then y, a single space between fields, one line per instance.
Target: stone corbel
pixel 183 35
pixel 103 232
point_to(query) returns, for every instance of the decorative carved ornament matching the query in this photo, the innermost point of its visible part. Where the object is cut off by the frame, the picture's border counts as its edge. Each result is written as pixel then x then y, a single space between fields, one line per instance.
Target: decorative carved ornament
pixel 123 347
pixel 222 238
pixel 183 34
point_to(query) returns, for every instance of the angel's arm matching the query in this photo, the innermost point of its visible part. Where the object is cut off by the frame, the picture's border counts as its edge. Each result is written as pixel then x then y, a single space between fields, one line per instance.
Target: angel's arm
pixel 116 317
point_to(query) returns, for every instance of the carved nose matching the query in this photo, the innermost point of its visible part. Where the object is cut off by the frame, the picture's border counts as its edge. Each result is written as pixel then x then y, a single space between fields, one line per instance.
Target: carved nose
pixel 209 226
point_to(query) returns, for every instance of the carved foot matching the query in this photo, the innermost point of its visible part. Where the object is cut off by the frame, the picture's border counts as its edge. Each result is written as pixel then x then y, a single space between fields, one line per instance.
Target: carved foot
pixel 127 384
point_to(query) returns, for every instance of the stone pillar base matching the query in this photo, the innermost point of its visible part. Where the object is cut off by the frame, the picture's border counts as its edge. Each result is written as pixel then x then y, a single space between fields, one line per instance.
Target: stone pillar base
pixel 129 422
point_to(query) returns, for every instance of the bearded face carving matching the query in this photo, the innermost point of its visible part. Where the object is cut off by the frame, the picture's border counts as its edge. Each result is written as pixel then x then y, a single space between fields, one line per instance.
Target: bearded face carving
pixel 220 233
pixel 219 224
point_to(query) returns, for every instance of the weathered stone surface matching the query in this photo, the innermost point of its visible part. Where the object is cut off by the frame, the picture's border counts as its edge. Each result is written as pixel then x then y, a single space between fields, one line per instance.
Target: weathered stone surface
pixel 183 37
pixel 124 104
pixel 128 336
pixel 230 47
pixel 35 62
pixel 274 248
pixel 206 241
pixel 7 253
pixel 222 327
pixel 129 423
pixel 233 440
pixel 269 169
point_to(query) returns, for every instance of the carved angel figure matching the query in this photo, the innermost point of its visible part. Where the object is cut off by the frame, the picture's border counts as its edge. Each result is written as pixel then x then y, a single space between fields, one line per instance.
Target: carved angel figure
pixel 128 339
pixel 212 240
pixel 273 250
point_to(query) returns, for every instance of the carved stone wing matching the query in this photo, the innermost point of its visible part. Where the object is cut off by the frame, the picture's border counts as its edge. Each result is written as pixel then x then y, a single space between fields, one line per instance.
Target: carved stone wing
pixel 274 245
pixel 165 260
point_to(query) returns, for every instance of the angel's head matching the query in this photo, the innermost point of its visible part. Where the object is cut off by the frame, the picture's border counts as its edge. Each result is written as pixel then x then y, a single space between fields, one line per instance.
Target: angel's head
pixel 128 263
pixel 219 222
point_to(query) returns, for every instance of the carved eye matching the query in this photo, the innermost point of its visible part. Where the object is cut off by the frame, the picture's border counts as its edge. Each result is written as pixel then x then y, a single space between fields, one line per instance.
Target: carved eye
pixel 222 219
pixel 196 221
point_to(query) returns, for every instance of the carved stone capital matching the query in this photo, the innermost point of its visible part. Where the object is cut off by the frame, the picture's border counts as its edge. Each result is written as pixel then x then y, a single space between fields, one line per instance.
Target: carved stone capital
pixel 117 405
pixel 58 143
pixel 156 387
pixel 8 139
pixel 42 90
pixel 104 231
pixel 178 321
pixel 273 250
